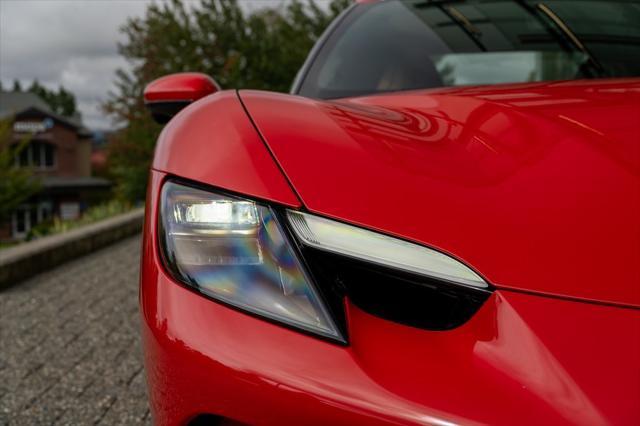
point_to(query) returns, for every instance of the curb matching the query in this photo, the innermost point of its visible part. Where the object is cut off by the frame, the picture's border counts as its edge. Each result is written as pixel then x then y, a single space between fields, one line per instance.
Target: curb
pixel 28 259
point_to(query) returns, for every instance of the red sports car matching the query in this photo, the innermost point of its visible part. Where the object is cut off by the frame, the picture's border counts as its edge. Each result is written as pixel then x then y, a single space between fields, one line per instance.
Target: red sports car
pixel 439 225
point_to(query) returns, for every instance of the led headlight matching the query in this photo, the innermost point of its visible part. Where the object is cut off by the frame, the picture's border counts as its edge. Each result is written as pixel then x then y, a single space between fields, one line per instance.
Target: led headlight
pixel 234 250
pixel 337 237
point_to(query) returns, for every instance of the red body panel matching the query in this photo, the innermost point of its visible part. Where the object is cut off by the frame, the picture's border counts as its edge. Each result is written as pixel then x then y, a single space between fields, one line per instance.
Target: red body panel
pixel 213 142
pixel 187 86
pixel 536 186
pixel 522 359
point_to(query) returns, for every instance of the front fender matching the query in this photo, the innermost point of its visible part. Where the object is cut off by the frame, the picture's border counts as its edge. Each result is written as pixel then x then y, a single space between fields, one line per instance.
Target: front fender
pixel 213 141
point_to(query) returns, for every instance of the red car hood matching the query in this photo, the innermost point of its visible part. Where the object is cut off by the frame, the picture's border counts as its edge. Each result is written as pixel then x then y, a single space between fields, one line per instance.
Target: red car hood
pixel 536 186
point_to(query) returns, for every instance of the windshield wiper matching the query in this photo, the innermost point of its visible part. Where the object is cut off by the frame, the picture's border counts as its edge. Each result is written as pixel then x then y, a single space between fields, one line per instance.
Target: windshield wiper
pixel 566 30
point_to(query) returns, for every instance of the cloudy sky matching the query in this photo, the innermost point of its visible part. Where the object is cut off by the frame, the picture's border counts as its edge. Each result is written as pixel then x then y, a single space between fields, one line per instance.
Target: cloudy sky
pixel 68 42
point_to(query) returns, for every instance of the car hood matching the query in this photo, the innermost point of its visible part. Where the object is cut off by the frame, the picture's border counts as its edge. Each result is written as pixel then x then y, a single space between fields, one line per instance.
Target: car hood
pixel 535 186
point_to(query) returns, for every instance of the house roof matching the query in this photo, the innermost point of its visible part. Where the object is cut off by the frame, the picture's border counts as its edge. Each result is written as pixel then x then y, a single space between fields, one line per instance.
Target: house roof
pixel 13 103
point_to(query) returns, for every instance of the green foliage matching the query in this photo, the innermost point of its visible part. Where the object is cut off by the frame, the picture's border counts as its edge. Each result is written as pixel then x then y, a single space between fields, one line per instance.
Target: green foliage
pixel 261 49
pixel 61 102
pixel 16 184
pixel 130 155
pixel 93 214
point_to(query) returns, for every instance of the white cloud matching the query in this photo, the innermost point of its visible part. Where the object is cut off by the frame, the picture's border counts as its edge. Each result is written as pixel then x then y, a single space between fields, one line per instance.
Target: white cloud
pixel 68 42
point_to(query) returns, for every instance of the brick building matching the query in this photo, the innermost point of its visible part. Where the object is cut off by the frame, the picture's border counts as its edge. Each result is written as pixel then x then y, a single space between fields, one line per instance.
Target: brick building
pixel 59 152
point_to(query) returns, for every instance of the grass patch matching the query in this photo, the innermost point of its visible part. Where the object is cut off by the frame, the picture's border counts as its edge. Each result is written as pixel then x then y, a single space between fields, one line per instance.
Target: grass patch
pixel 91 215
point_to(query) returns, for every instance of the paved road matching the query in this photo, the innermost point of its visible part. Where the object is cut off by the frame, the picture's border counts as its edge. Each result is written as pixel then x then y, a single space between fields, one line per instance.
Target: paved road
pixel 69 346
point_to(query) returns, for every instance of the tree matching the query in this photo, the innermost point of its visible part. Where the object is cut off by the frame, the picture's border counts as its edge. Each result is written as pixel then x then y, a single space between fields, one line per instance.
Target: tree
pixel 261 49
pixel 16 184
pixel 17 87
pixel 61 102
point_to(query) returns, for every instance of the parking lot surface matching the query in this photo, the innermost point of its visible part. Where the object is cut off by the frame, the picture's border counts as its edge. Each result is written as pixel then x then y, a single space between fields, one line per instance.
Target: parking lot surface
pixel 69 344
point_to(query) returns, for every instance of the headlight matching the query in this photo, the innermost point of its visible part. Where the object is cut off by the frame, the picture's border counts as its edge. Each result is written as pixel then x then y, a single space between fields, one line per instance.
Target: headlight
pixel 235 251
pixel 336 237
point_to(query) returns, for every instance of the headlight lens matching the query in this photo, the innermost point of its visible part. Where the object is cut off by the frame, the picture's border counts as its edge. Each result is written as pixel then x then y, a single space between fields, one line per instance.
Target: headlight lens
pixel 234 250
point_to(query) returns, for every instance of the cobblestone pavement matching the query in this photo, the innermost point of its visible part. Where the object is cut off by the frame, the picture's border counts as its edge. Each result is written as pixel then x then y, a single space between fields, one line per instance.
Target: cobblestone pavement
pixel 69 346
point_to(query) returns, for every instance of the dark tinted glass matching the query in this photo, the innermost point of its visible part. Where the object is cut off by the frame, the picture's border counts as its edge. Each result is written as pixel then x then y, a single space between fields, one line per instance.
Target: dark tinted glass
pixel 403 45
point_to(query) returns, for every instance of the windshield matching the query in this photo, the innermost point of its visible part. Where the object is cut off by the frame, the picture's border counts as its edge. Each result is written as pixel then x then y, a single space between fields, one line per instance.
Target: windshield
pixel 404 45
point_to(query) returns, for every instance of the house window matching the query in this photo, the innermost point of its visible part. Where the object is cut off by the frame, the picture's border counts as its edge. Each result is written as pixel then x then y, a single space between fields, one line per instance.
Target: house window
pixel 44 211
pixel 21 222
pixel 27 216
pixel 48 155
pixel 38 154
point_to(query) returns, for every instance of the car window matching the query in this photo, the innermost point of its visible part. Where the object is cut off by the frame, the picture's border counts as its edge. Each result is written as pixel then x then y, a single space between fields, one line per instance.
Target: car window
pixel 403 45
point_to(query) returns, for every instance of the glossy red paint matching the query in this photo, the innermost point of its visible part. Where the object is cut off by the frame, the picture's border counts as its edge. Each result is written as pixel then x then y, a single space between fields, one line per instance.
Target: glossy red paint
pixel 522 359
pixel 213 142
pixel 186 86
pixel 536 186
